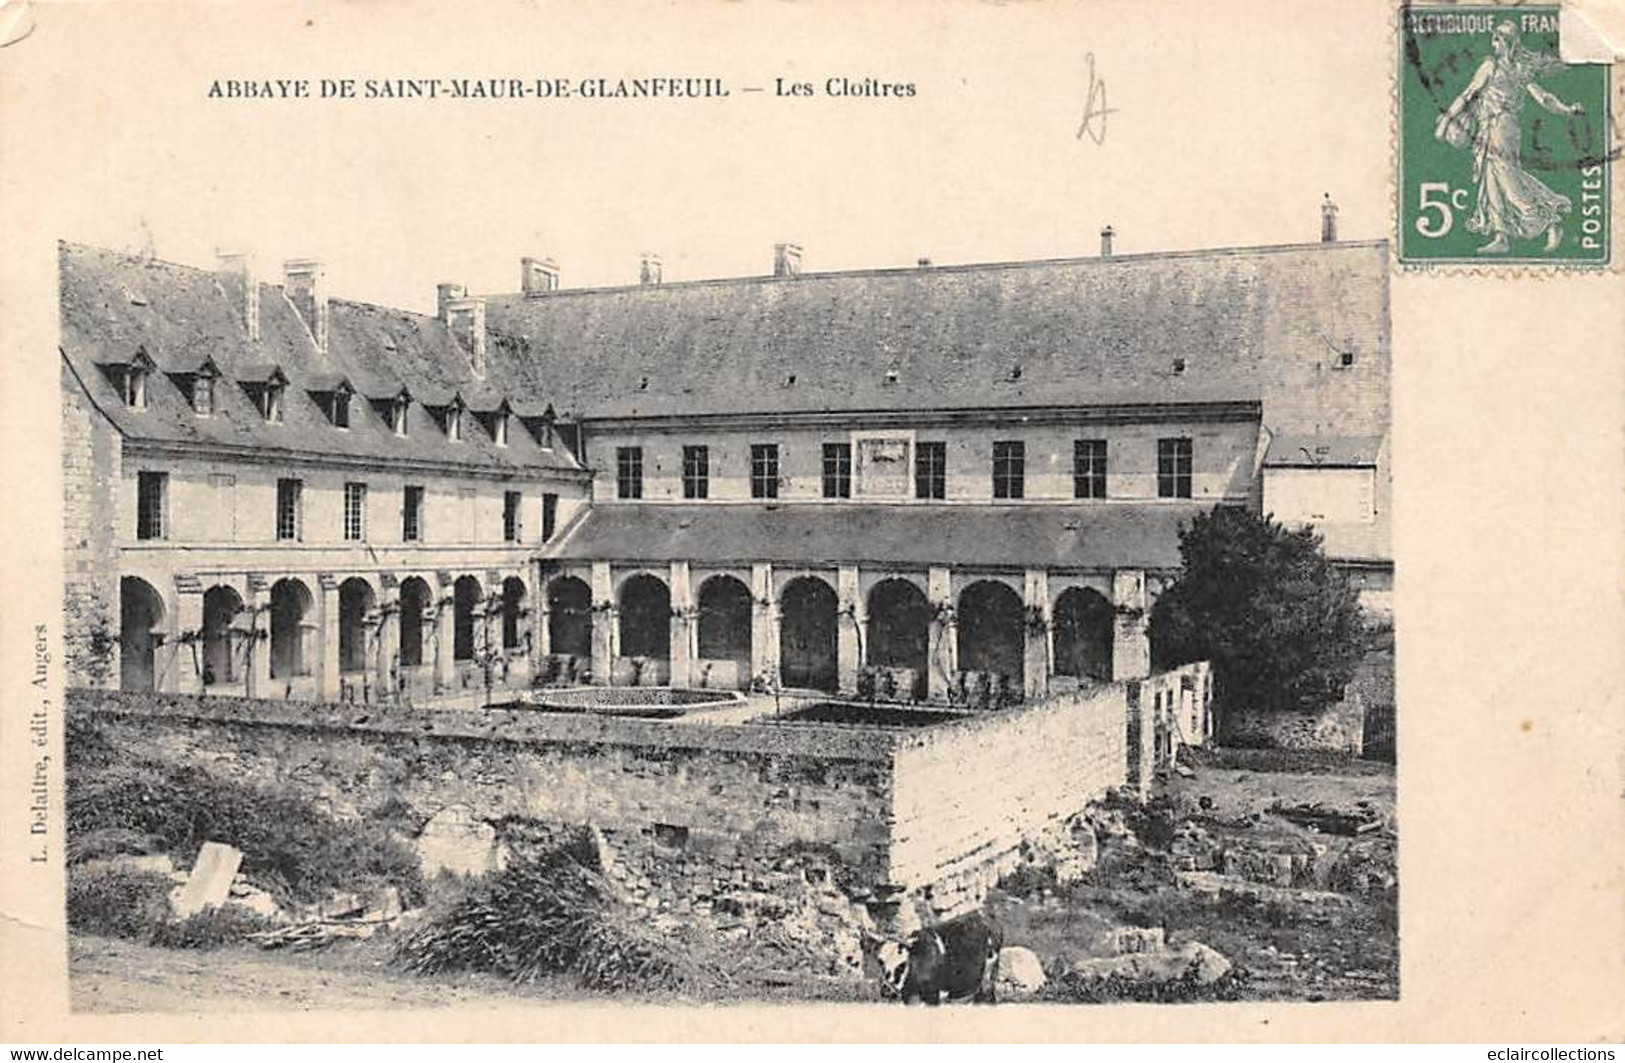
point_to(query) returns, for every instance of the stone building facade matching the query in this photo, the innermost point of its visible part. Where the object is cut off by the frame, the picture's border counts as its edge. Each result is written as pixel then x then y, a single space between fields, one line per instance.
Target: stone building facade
pixel 956 483
pixel 274 494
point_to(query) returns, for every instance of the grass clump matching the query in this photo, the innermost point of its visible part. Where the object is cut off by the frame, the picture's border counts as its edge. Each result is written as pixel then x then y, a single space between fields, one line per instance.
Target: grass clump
pixel 549 914
pixel 118 903
pixel 211 928
pixel 286 841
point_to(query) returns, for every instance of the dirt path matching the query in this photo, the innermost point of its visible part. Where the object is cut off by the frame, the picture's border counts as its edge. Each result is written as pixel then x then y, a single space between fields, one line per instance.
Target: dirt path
pixel 109 975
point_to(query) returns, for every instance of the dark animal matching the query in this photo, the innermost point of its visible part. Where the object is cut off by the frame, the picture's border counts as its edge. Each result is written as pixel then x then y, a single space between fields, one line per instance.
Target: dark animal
pixel 953 961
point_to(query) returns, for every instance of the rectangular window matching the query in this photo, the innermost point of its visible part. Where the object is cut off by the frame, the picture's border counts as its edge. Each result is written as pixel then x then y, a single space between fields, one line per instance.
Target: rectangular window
pixel 271 403
pixel 931 470
pixel 355 512
pixel 629 472
pixel 203 396
pixel 133 387
pixel 837 470
pixel 1173 468
pixel 1009 469
pixel 550 516
pixel 149 504
pixel 697 472
pixel 412 514
pixel 339 409
pixel 511 530
pixel 397 417
pixel 1089 468
pixel 454 423
pixel 287 508
pixel 764 470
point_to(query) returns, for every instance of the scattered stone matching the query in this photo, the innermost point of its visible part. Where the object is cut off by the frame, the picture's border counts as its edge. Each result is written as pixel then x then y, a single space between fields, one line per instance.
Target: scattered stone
pixel 1020 973
pixel 1128 940
pixel 1192 960
pixel 1212 886
pixel 259 902
pixel 209 884
pixel 456 840
pixel 341 905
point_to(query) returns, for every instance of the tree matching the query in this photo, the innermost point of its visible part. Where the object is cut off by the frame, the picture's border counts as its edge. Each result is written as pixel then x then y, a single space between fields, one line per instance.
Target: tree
pixel 1282 627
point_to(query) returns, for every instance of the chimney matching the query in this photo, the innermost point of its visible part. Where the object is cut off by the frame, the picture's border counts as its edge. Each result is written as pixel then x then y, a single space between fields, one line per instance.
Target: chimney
pixel 649 271
pixel 786 260
pixel 1328 220
pixel 924 262
pixel 538 276
pixel 1106 235
pixel 443 296
pixel 302 283
pixel 243 288
pixel 465 318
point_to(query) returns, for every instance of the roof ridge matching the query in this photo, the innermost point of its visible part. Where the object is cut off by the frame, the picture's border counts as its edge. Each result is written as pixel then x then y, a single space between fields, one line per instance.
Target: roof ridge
pixel 1242 250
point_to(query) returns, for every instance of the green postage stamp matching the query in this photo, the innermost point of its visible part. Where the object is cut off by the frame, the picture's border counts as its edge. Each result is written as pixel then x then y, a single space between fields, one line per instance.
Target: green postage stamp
pixel 1504 152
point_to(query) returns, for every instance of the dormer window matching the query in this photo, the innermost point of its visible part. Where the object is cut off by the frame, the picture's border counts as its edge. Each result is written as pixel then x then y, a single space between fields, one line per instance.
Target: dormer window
pixel 548 419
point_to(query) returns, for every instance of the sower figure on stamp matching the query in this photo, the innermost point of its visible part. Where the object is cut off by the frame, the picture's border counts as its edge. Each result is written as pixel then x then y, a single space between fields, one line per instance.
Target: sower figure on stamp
pixel 1511 200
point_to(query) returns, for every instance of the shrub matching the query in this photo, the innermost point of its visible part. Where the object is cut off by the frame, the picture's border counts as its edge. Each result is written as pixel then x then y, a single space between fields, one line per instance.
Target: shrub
pixel 118 903
pixel 544 916
pixel 211 928
pixel 285 839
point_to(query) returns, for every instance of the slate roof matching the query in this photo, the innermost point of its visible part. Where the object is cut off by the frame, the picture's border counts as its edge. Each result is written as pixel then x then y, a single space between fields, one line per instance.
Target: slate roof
pixel 1312 452
pixel 1059 332
pixel 114 304
pixel 1102 535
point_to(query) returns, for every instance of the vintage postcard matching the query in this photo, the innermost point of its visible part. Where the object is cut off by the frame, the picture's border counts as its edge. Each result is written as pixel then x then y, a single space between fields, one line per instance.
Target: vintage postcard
pixel 738 514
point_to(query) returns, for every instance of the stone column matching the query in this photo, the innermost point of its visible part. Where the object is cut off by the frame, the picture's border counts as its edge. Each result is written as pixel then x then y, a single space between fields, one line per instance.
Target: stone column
pixel 389 638
pixel 850 620
pixel 685 633
pixel 605 636
pixel 259 638
pixel 186 670
pixel 540 630
pixel 327 639
pixel 1037 663
pixel 764 626
pixel 944 660
pixel 1131 646
pixel 445 633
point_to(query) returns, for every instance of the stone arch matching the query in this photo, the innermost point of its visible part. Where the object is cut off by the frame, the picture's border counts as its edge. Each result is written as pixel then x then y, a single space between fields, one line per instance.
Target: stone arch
pixel 356 600
pixel 1081 626
pixel 992 631
pixel 809 636
pixel 569 616
pixel 898 634
pixel 290 628
pixel 221 604
pixel 141 616
pixel 513 613
pixel 725 606
pixel 645 607
pixel 416 598
pixel 466 597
